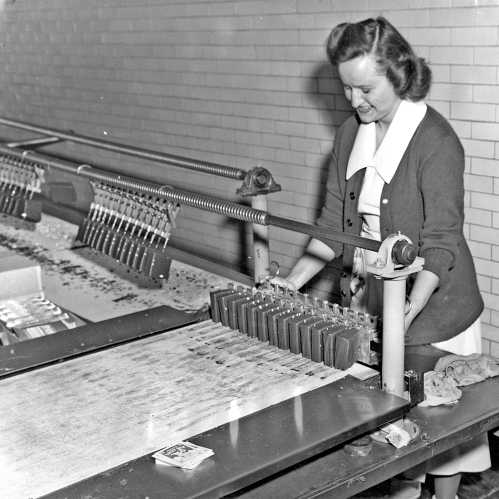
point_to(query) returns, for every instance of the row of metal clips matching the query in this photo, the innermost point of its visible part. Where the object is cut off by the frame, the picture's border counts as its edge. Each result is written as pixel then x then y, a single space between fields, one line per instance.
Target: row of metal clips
pixel 318 330
pixel 133 229
pixel 20 184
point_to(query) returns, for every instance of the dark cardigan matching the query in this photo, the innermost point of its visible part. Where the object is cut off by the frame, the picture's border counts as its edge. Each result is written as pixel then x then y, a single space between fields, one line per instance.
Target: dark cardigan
pixel 425 202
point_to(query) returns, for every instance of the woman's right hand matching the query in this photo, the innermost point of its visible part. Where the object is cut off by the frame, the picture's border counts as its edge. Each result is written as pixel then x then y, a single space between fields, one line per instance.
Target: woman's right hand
pixel 282 283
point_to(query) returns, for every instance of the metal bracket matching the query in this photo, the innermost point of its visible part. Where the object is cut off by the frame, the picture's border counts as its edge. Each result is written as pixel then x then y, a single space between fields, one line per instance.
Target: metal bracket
pixel 396 258
pixel 258 181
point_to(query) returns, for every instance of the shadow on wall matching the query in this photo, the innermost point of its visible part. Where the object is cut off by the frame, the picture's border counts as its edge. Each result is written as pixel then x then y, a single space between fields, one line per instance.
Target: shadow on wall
pixel 326 91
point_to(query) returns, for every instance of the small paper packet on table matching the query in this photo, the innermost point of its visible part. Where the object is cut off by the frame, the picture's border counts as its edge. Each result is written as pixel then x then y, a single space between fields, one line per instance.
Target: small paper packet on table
pixel 183 455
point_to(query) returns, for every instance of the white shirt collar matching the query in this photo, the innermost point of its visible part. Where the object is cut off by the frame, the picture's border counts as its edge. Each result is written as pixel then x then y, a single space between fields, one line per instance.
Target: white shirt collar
pixel 387 158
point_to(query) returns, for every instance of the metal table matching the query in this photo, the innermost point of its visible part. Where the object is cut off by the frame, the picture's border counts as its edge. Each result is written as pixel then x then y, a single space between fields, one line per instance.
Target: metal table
pixel 282 452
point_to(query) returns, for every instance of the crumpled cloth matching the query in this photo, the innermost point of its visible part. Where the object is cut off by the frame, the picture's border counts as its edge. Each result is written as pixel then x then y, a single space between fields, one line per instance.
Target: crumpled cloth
pixel 468 369
pixel 441 385
pixel 439 389
pixel 399 433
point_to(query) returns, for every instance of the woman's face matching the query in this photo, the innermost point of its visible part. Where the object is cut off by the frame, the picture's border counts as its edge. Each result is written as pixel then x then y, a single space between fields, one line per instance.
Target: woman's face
pixel 370 93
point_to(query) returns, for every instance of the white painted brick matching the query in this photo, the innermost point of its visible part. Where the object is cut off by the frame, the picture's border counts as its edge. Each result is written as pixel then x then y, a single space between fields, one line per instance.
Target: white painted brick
pixel 484 234
pixel 328 20
pixel 355 7
pixel 450 17
pixel 484 201
pixel 442 73
pixel 485 318
pixel 490 333
pixel 478 217
pixel 495 219
pixel 478 149
pixel 474 36
pixel 488 15
pixel 492 302
pixel 478 183
pixel 484 283
pixel 450 55
pixel 485 131
pixel 482 166
pixel 442 107
pixel 472 3
pixel 485 346
pixel 466 230
pixel 290 158
pixel 494 346
pixel 432 4
pixel 495 286
pixel 485 93
pixel 432 37
pixel 471 111
pixel 467 165
pixel 495 253
pixel 459 93
pixel 320 132
pixel 462 128
pixel 407 19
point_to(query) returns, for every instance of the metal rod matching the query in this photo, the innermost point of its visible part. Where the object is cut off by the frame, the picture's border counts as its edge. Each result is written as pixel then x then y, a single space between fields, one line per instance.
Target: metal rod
pixel 324 234
pixel 45 161
pixel 43 141
pixel 203 166
pixel 195 200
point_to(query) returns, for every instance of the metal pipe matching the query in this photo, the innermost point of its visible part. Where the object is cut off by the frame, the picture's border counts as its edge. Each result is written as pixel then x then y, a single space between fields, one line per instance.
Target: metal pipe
pixel 323 233
pixel 261 258
pixel 195 200
pixel 202 166
pixel 392 358
pixel 43 160
pixel 43 141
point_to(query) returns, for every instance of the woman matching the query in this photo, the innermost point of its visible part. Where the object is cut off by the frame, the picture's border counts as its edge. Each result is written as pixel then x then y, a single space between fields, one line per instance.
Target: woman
pixel 397 165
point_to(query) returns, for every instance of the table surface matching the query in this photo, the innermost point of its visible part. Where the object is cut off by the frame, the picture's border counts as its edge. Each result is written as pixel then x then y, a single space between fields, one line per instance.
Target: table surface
pixel 442 428
pixel 262 439
pixel 254 447
pixel 72 420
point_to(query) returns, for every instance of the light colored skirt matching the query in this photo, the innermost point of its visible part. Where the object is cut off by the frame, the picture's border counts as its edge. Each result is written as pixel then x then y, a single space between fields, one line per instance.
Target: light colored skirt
pixel 469 457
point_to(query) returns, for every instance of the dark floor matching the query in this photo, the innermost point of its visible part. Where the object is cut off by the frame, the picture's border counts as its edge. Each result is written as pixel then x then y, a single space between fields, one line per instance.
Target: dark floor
pixel 473 485
pixel 480 485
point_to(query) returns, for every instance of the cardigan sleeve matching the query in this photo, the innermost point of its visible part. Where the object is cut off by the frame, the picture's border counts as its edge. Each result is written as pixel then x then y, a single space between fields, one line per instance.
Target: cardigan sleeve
pixel 332 210
pixel 442 189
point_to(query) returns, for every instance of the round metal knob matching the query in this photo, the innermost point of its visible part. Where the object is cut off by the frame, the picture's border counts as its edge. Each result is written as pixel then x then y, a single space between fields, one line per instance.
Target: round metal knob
pixel 404 253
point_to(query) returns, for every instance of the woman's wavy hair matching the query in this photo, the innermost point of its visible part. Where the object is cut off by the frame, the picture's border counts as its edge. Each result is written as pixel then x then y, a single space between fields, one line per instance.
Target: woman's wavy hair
pixel 409 74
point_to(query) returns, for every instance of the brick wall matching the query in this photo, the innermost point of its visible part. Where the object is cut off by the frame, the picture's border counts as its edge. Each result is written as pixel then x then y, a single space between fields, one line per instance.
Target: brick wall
pixel 246 83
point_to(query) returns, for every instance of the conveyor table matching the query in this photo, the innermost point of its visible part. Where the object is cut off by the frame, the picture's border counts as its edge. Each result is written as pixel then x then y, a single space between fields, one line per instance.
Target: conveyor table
pixel 262 440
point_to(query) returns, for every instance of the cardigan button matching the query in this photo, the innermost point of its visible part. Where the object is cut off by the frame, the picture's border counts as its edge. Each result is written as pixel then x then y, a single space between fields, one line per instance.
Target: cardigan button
pixel 344 275
pixel 352 195
pixel 384 201
pixel 349 222
pixel 343 293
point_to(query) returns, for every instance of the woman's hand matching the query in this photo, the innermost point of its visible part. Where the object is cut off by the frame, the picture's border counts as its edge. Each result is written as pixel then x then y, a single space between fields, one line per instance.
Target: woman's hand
pixel 409 314
pixel 283 283
pixel 425 284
